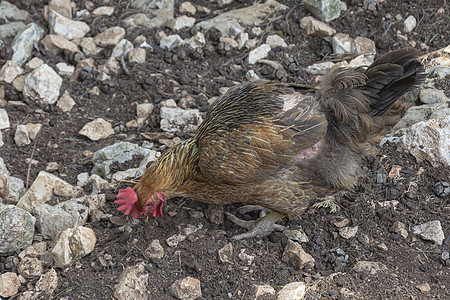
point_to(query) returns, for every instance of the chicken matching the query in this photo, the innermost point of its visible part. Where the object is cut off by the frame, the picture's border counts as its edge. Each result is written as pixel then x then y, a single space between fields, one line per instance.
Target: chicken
pixel 264 144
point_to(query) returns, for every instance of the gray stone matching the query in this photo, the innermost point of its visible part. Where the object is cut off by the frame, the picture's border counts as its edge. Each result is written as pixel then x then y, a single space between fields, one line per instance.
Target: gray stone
pixel 430 231
pixel 157 13
pixel 52 220
pixel 16 229
pixel 42 86
pixel 177 119
pixel 371 267
pixel 24 42
pixel 119 152
pixel 132 283
pixel 325 10
pixel 73 244
pixel 11 29
pixel 292 291
pixel 251 16
pixel 10 12
pixel 187 288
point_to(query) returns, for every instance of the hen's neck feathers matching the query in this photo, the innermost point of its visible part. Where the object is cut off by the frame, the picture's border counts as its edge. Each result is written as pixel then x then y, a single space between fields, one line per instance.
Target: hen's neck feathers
pixel 169 171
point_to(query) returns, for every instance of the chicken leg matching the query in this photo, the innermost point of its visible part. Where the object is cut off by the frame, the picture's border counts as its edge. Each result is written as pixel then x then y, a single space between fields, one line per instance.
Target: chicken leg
pixel 261 227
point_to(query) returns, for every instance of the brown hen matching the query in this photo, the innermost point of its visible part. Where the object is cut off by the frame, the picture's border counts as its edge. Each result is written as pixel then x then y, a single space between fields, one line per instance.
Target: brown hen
pixel 262 143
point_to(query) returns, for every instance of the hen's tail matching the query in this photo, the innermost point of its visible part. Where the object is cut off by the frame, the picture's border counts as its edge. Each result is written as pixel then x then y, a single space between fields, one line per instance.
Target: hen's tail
pixel 361 104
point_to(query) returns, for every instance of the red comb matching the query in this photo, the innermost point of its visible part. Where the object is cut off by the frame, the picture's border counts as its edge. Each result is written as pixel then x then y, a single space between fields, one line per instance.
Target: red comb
pixel 128 199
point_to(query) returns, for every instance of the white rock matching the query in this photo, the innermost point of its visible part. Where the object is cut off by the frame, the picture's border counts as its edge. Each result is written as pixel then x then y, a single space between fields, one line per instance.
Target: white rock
pixel 73 244
pixel 261 290
pixel 296 235
pixel 177 119
pixel 258 53
pixel 4 119
pixel 47 284
pixel 348 232
pixel 10 12
pixel 24 42
pixel 11 29
pixel 295 256
pixel 52 220
pixel 292 291
pixel 137 55
pixel 16 229
pixel 43 188
pixel 365 46
pixel 52 166
pixel 89 47
pixel 42 86
pixel 122 48
pixel 97 129
pixel 155 250
pixel 187 8
pixel 400 228
pixel 180 23
pixel 65 27
pixel 430 231
pixel 29 266
pixel 10 71
pixel 409 24
pixel 197 41
pixel 320 68
pixel 171 41
pixel 341 43
pixel 65 69
pixel 21 137
pixel 246 258
pixel 82 179
pixel 33 130
pixel 225 254
pixel 63 7
pixel 371 267
pixel 252 76
pixel 326 10
pixel 251 16
pixel 187 288
pixel 103 11
pixel 228 40
pixel 9 284
pixel 359 61
pixel 143 110
pixel 34 63
pixel 242 39
pixel 156 14
pixel 429 140
pixel 132 283
pixel 429 96
pixel 57 44
pixel 66 103
pixel 275 41
pixel 316 27
pixel 174 240
pixel 109 37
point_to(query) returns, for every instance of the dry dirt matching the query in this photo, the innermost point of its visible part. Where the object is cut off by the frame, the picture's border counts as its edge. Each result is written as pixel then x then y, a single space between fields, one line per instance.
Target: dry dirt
pixel 410 261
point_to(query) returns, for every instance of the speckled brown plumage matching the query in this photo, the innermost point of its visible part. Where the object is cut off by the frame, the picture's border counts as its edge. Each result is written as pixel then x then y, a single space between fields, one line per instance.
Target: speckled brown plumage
pixel 263 143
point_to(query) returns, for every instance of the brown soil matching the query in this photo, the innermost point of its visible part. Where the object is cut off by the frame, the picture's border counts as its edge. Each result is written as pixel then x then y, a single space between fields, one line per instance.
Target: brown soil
pixel 410 261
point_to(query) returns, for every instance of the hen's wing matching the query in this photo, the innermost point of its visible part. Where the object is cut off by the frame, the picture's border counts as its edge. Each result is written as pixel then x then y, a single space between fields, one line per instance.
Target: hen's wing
pixel 247 136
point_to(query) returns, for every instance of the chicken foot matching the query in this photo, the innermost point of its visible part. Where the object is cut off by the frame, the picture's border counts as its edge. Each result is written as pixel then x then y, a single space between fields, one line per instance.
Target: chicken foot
pixel 261 227
pixel 327 202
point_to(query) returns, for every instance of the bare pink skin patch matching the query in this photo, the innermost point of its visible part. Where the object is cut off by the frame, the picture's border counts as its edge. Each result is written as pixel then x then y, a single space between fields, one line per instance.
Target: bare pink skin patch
pixel 310 152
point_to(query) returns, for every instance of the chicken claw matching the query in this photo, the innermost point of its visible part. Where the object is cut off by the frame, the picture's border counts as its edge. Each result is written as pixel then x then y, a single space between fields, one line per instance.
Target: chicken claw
pixel 261 227
pixel 327 202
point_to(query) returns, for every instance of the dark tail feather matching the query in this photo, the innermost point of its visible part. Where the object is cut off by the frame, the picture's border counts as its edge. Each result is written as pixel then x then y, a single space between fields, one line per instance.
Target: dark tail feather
pixel 391 76
pixel 360 104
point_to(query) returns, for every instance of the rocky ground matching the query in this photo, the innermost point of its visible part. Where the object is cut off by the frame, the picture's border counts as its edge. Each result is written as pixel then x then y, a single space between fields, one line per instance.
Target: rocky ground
pixel 91 91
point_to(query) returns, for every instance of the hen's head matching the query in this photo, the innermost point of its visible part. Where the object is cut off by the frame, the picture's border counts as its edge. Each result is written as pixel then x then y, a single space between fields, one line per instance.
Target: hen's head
pixel 128 201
